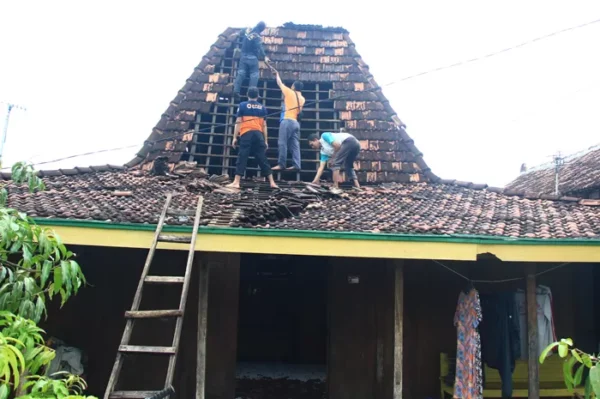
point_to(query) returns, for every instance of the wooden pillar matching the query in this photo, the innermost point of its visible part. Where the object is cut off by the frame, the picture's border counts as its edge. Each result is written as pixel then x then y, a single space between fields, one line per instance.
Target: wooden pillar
pixel 532 333
pixel 202 328
pixel 221 337
pixel 398 327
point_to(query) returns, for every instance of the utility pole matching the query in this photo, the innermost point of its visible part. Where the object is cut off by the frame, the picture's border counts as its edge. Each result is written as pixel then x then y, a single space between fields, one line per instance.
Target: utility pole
pixel 11 106
pixel 559 161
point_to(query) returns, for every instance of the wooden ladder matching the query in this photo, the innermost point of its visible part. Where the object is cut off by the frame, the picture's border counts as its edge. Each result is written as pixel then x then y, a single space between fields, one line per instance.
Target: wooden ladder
pixel 135 313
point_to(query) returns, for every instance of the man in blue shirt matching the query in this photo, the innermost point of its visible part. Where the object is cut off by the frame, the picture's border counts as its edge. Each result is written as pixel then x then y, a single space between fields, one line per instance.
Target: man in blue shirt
pixel 252 51
pixel 344 149
pixel 251 132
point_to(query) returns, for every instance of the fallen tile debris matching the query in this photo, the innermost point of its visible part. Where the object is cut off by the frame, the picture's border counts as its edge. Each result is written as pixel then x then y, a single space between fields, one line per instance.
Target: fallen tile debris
pixel 447 208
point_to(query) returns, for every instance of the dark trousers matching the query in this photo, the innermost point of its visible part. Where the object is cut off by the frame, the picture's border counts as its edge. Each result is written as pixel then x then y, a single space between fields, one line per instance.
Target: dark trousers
pixel 252 143
pixel 248 66
pixel 346 156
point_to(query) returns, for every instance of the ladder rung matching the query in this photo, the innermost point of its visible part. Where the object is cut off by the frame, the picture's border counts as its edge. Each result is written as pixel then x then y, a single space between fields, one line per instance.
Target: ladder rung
pixel 152 314
pixel 177 239
pixel 164 279
pixel 179 212
pixel 133 394
pixel 167 350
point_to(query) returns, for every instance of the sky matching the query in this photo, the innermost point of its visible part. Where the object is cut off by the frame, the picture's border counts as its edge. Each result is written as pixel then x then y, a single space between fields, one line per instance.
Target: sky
pixel 98 74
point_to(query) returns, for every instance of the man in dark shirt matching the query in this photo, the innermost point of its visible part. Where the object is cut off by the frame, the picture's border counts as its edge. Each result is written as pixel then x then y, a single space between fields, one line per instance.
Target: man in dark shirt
pixel 252 51
pixel 251 129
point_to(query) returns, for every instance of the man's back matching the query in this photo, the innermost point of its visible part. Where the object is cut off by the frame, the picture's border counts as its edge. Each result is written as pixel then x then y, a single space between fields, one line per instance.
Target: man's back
pixel 293 101
pixel 251 44
pixel 252 114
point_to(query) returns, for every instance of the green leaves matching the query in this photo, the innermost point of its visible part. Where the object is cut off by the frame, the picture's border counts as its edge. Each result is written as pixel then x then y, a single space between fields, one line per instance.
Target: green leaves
pixel 574 367
pixel 578 375
pixel 68 387
pixel 595 380
pixel 568 373
pixel 4 391
pixel 588 388
pixel 12 362
pixel 42 266
pixel 547 351
pixel 563 346
pixel 34 264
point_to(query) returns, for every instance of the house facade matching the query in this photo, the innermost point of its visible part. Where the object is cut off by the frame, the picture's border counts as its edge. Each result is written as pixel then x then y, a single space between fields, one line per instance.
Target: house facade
pixel 357 291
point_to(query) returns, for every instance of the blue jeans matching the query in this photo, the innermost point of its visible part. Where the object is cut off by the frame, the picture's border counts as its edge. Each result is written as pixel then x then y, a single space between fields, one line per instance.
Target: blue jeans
pixel 289 139
pixel 248 66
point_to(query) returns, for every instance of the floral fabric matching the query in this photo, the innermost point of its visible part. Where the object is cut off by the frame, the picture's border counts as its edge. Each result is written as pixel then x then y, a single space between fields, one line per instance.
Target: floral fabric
pixel 469 375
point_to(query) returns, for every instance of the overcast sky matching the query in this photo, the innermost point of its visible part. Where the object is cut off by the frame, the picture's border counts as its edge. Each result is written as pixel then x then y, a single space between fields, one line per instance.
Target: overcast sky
pixel 98 74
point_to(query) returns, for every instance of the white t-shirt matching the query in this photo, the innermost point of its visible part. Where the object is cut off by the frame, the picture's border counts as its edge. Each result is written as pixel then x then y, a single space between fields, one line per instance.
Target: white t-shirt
pixel 327 139
pixel 546 333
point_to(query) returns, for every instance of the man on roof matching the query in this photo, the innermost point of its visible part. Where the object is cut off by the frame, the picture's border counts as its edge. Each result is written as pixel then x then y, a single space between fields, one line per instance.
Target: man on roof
pixel 252 52
pixel 289 127
pixel 343 148
pixel 251 133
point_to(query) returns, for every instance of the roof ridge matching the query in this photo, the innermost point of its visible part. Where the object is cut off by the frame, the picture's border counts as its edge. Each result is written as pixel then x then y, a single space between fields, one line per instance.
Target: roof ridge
pixel 77 170
pixel 312 27
pixel 531 195
pixel 569 158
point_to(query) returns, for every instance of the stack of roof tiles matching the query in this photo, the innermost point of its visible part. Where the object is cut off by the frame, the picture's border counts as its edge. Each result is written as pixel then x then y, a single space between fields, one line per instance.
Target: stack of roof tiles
pixel 579 176
pixel 311 54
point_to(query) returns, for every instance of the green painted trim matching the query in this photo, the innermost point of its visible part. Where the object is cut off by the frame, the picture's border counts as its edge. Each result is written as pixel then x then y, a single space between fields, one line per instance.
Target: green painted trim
pixel 458 238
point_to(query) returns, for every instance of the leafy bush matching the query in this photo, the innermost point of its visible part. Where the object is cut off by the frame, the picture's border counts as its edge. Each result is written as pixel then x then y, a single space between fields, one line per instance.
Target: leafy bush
pixel 576 363
pixel 34 266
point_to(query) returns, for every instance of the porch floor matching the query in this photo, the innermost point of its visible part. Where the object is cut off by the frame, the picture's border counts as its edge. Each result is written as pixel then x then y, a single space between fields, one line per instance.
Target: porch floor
pixel 266 380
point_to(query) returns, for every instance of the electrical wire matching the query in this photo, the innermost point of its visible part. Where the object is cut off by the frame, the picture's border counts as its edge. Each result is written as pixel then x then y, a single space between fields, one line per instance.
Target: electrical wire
pixel 508 280
pixel 179 135
pixel 438 69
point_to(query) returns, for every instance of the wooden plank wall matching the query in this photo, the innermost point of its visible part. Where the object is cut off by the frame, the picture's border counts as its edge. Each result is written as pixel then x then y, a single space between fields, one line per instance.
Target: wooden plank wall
pixel 361 330
pixel 93 320
pixel 361 319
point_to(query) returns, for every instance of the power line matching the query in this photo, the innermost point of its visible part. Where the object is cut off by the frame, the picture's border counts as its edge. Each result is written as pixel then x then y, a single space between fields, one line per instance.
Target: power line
pixel 495 53
pixel 438 69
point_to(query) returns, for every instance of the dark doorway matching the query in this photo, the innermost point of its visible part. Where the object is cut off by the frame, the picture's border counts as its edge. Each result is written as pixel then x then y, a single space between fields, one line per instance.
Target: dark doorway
pixel 282 328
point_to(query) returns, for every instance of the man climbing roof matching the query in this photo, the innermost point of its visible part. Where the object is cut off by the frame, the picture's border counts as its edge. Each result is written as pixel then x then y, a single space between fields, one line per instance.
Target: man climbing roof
pixel 251 128
pixel 289 127
pixel 252 52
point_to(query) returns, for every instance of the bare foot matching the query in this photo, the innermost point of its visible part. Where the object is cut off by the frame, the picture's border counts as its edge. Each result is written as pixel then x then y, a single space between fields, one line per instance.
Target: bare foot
pixel 291 168
pixel 273 185
pixel 233 185
pixel 276 168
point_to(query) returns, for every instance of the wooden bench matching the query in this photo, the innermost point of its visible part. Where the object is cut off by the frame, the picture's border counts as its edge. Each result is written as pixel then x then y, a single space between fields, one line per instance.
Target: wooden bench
pixel 552 383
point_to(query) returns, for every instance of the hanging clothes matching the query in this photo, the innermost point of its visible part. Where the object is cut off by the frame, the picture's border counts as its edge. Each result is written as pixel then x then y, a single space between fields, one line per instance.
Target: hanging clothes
pixel 468 382
pixel 67 359
pixel 545 319
pixel 500 336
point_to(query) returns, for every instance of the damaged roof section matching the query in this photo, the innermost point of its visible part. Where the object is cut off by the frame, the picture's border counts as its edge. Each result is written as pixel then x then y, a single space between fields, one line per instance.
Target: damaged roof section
pixel 319 56
pixel 450 208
